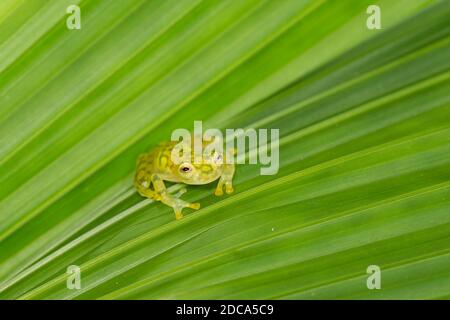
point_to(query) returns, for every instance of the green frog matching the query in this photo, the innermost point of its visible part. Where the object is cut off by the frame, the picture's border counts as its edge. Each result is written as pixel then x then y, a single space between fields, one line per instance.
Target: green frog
pixel 157 166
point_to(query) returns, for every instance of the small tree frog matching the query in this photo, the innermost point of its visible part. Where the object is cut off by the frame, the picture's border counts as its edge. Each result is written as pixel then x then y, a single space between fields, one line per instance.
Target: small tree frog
pixel 157 166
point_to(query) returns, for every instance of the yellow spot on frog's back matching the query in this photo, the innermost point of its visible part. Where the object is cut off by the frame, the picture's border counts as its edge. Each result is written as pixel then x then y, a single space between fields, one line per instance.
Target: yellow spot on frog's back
pixel 163 161
pixel 206 168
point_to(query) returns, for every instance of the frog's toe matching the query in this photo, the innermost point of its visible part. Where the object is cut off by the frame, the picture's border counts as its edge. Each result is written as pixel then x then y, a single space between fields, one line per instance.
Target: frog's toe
pixel 229 188
pixel 194 205
pixel 178 214
pixel 218 192
pixel 179 207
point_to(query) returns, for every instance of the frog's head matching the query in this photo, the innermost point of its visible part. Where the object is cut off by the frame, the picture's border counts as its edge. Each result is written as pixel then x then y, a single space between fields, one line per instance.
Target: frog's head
pixel 201 171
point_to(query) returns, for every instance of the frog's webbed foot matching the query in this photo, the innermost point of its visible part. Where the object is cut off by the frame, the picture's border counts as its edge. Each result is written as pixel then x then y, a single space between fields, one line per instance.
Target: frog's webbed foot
pixel 174 200
pixel 178 205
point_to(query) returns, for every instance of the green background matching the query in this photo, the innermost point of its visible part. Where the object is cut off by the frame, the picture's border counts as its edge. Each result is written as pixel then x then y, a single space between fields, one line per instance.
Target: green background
pixel 364 125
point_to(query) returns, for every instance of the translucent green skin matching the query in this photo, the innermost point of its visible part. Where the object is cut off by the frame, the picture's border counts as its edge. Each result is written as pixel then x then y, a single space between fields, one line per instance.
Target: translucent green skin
pixel 156 166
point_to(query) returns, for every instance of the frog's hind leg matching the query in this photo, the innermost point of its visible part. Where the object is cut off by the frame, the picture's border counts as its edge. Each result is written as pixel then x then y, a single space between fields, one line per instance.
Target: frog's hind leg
pixel 143 183
pixel 171 200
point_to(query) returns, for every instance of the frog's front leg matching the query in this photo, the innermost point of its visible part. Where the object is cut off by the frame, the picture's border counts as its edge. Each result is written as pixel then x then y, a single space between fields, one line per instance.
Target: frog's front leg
pixel 170 200
pixel 225 179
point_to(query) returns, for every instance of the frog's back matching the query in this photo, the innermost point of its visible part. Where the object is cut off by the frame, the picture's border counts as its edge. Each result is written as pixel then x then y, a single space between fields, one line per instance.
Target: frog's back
pixel 158 161
pixel 162 158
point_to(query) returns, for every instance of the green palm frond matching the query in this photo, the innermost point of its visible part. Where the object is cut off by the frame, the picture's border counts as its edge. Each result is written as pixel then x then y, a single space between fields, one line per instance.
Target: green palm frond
pixel 364 119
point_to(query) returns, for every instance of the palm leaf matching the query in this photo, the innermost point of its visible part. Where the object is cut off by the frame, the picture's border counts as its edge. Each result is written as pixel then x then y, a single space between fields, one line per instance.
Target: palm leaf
pixel 364 144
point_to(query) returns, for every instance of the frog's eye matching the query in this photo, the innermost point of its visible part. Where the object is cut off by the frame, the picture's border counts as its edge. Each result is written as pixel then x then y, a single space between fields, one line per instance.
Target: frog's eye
pixel 184 168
